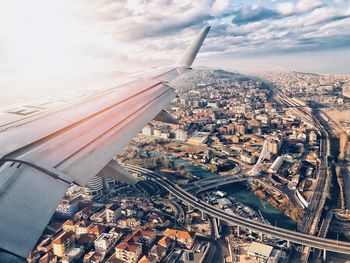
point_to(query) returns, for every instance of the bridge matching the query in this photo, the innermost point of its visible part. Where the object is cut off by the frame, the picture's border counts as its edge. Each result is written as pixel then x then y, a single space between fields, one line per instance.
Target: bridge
pixel 210 183
pixel 264 152
pixel 278 232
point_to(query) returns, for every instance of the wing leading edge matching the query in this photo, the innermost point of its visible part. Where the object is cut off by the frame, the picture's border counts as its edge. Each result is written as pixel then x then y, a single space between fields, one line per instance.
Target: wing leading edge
pixel 71 145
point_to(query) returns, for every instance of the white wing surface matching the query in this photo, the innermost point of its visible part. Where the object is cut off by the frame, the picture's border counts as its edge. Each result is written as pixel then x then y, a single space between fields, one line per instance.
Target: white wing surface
pixel 43 151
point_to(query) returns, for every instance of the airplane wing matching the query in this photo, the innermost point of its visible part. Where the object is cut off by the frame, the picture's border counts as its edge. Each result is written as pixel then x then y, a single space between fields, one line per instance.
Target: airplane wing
pixel 43 151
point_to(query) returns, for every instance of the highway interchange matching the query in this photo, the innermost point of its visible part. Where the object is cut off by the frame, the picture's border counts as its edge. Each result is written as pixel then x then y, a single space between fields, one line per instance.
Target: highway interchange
pixel 311 216
pixel 281 233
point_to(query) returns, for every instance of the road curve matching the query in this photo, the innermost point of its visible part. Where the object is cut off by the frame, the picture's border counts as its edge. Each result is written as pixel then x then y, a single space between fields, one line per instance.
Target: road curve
pixel 292 236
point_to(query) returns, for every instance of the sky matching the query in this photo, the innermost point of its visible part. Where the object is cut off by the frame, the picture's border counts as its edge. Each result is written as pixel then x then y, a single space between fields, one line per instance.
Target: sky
pixel 44 38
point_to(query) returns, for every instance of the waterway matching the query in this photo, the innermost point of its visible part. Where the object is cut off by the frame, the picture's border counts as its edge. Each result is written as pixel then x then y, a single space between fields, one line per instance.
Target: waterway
pixel 196 170
pixel 242 193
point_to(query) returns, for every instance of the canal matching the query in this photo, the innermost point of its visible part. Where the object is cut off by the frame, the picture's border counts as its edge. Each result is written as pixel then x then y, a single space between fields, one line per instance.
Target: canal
pixel 242 193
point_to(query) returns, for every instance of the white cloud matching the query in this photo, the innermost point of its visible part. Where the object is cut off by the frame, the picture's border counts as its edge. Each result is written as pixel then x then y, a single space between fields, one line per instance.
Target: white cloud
pixel 219 7
pixel 302 6
pixel 80 36
pixel 307 5
pixel 136 6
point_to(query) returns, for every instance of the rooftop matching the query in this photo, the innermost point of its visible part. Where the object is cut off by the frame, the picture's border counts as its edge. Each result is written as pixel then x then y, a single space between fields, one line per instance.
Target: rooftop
pixel 261 249
pixel 63 237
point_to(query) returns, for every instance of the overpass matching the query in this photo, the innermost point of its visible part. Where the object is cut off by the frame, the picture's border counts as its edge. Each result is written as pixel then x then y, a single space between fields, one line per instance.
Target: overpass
pixel 210 183
pixel 281 233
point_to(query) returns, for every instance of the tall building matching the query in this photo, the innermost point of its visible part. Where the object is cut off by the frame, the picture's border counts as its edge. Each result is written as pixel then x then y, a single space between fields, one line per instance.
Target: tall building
pixel 94 188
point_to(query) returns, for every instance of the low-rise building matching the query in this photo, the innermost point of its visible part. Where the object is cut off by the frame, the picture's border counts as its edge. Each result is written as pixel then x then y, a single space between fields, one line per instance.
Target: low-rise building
pixel 73 254
pixel 162 248
pixel 181 135
pixel 104 242
pixel 199 138
pixel 93 257
pixel 83 214
pixel 63 243
pixel 276 165
pixel 129 252
pixel 183 237
pixel 247 158
pixel 82 227
pixel 112 213
pixel 148 259
pixel 259 251
pixel 147 130
pixel 132 222
pixel 67 208
pixel 263 253
pixel 97 229
pixel 49 258
pixel 69 225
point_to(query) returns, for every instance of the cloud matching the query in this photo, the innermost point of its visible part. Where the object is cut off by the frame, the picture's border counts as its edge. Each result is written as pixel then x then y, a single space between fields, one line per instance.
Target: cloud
pixel 253 13
pixel 340 1
pixel 219 7
pixel 152 18
pixel 302 6
pixel 131 35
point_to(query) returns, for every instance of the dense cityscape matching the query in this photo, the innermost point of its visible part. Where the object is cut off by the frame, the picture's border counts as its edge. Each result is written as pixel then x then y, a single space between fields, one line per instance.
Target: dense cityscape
pixel 152 131
pixel 272 148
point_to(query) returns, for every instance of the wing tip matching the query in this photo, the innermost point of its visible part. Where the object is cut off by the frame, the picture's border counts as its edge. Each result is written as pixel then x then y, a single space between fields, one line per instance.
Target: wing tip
pixel 191 52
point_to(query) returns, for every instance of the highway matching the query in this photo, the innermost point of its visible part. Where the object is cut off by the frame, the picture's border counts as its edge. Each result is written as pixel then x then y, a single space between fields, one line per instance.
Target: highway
pixel 209 183
pixel 284 234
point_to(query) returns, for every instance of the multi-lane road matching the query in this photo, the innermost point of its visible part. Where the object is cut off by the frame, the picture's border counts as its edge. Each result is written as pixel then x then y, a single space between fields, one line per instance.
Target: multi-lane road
pixel 284 234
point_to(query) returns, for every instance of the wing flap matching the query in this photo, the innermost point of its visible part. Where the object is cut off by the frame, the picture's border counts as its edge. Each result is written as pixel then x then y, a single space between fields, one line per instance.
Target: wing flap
pixel 24 212
pixel 114 171
pixel 166 117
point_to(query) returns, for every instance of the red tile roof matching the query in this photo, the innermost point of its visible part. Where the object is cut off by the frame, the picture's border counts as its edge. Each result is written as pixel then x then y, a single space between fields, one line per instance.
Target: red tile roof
pixel 63 237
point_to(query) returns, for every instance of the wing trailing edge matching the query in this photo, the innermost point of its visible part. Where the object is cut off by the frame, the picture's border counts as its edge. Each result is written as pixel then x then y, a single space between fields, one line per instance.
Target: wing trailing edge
pixel 114 171
pixel 166 117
